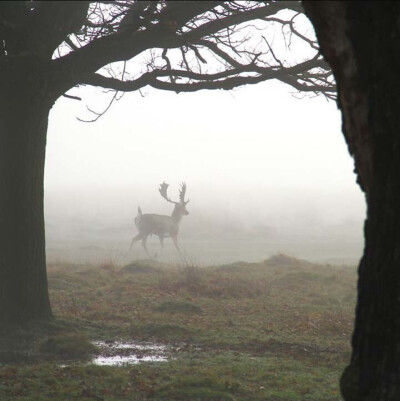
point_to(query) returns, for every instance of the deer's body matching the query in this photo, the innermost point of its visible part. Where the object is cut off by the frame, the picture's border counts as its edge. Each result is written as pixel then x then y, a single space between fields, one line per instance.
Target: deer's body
pixel 161 225
pixel 158 224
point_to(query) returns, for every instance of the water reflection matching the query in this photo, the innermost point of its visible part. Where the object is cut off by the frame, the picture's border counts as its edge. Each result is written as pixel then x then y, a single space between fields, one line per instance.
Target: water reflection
pixel 116 353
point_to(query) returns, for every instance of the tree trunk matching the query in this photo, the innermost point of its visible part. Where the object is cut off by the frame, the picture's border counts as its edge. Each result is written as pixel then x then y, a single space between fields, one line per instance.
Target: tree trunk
pixel 362 44
pixel 25 106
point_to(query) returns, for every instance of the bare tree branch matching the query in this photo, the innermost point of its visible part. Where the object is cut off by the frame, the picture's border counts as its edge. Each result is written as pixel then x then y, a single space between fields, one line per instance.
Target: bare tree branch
pixel 72 97
pixel 228 79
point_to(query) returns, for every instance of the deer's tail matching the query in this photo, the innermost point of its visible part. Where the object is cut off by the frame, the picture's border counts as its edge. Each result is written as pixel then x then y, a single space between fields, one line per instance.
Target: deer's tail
pixel 138 217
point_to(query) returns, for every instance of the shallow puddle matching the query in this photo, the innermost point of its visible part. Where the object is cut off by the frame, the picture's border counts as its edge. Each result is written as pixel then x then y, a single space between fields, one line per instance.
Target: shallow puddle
pixel 115 353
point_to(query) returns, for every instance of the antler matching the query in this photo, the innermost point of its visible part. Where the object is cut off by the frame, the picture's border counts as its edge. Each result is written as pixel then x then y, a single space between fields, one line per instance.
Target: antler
pixel 182 193
pixel 163 191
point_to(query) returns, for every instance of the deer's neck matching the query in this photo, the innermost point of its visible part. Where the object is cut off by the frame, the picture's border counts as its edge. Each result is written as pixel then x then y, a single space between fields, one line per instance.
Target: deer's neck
pixel 176 216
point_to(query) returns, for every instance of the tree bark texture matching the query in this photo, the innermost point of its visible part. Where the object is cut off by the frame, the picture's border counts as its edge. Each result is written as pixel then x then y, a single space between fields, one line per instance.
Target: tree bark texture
pixel 361 41
pixel 25 104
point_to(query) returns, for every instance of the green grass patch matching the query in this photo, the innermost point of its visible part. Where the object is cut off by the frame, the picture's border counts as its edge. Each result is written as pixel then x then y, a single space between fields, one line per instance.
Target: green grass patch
pixel 160 332
pixel 178 307
pixel 276 330
pixel 195 388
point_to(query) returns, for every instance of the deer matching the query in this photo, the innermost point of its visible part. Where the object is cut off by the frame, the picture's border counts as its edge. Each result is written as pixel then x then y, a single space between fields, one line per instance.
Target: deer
pixel 161 225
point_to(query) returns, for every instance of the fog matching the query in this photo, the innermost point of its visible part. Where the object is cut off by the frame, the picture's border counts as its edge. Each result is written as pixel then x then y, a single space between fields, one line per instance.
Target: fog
pixel 266 172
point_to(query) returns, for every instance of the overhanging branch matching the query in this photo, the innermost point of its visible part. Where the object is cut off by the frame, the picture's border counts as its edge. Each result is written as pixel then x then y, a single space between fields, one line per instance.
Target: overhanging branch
pixel 224 80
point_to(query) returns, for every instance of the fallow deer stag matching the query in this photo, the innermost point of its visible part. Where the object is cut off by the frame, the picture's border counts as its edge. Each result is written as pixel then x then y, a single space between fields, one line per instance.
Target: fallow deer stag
pixel 160 225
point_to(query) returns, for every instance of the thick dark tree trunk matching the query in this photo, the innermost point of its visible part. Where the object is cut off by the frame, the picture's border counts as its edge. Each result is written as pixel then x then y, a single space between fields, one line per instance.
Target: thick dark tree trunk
pixel 361 41
pixel 24 107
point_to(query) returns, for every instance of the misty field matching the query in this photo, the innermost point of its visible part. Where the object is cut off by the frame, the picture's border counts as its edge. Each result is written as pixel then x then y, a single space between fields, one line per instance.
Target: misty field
pixel 276 330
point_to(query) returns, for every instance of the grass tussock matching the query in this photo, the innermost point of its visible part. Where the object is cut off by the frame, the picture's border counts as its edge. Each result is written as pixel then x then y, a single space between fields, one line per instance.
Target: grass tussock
pixel 144 266
pixel 68 346
pixel 285 261
pixel 216 283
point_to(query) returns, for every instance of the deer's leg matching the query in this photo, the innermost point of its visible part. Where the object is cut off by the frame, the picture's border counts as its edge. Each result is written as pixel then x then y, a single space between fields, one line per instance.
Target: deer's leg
pixel 135 239
pixel 161 238
pixel 144 241
pixel 161 242
pixel 175 239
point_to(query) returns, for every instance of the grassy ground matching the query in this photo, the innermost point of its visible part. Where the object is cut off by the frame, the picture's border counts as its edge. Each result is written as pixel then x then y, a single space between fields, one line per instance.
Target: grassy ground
pixel 276 330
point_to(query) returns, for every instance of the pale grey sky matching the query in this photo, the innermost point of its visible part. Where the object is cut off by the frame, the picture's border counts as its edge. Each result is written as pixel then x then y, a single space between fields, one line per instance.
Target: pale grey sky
pixel 256 143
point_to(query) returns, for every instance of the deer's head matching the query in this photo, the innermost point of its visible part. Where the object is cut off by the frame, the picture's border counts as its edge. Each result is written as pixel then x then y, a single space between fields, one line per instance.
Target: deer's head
pixel 180 207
